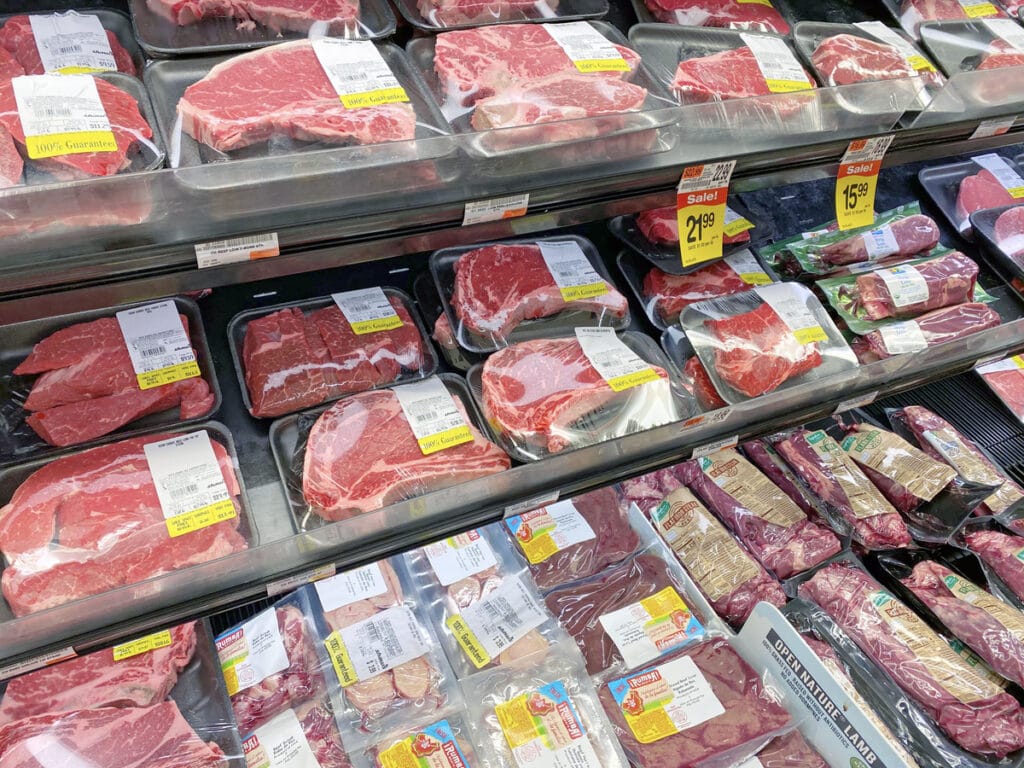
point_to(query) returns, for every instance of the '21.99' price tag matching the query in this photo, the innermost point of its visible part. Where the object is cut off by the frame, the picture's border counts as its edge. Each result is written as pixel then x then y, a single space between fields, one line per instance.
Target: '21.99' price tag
pixel 700 209
pixel 858 177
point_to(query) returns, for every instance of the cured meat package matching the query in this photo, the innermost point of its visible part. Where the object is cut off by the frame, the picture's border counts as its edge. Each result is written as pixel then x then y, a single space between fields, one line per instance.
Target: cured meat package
pixel 482 604
pixel 445 739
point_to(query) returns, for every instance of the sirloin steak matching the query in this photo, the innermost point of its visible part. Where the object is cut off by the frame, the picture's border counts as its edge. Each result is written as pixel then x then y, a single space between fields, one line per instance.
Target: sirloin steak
pixel 845 59
pixel 278 15
pixel 362 455
pixel 497 287
pixel 732 14
pixel 732 74
pixel 293 97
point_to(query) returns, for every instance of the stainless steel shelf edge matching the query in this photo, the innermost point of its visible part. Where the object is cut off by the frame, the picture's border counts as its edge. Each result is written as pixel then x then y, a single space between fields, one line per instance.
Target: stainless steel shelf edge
pixel 241 577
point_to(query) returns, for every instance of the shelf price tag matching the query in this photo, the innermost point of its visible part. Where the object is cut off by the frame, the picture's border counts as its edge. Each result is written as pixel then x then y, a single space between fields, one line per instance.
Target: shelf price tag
pixel 142 645
pixel 433 416
pixel 221 252
pixel 858 177
pixel 496 209
pixel 995 127
pixel 700 211
pixel 45 660
pixel 158 346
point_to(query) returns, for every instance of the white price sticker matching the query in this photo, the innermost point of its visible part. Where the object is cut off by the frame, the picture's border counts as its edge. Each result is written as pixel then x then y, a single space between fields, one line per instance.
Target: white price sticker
pixel 494 623
pixel 856 402
pixel 713 417
pixel 358 72
pixel 351 587
pixel 62 115
pixel 778 64
pixel 281 743
pixel 867 150
pixel 719 445
pixel 72 43
pixel 460 557
pixel 1005 175
pixel 367 310
pixel 189 483
pixel 880 242
pixel 572 271
pixel 891 37
pixel 158 346
pixel 617 364
pixel 995 127
pixel 710 176
pixel 375 645
pixel 510 207
pixel 589 50
pixel 745 264
pixel 281 586
pixel 1006 30
pixel 906 285
pixel 252 652
pixel 793 309
pixel 902 338
pixel 432 415
pixel 221 252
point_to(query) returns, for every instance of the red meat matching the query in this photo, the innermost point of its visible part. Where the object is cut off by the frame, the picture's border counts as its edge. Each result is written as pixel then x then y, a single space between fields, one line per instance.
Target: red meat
pixel 703 388
pixel 671 294
pixel 733 14
pixel 661 227
pixel 765 457
pixel 845 59
pixel 732 74
pixel 790 751
pixel 1008 232
pixel 17 39
pixel 982 190
pixel 950 280
pixel 1003 554
pixel 913 234
pixel 942 325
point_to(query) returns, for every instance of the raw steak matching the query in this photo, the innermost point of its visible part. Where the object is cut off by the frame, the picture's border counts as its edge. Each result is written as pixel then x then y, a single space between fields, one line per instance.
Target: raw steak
pixel 282 90
pixel 950 280
pixel 278 15
pixel 536 390
pixel 756 351
pixel 661 227
pixel 294 361
pixel 127 123
pixel 321 730
pixel 751 712
pixel 790 751
pixel 975 712
pixel 90 522
pixel 16 38
pixel 614 540
pixel 991 628
pixel 1002 553
pixel 764 518
pixel 136 737
pixel 941 440
pixel 451 13
pixel 913 234
pixel 914 12
pixel 96 680
pixel 834 478
pixel 732 14
pixel 1009 233
pixel 732 74
pixel 702 388
pixel 980 191
pixel 1009 387
pixel 580 606
pixel 724 571
pixel 301 680
pixel 767 459
pixel 11 163
pixel 497 287
pixel 845 59
pixel 1001 54
pixel 88 387
pixel 362 455
pixel 9 66
pixel 672 294
pixel 942 325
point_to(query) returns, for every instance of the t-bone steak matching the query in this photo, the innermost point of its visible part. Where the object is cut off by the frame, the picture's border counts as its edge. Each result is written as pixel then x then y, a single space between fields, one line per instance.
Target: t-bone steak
pixel 282 90
pixel 845 59
pixel 278 15
pixel 733 14
pixel 949 280
pixel 362 455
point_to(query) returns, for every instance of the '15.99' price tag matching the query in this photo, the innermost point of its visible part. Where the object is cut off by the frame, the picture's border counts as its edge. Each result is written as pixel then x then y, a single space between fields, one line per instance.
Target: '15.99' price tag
pixel 858 177
pixel 700 209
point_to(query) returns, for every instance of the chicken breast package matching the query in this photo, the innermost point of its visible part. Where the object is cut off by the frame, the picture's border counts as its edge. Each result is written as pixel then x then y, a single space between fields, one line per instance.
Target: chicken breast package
pixel 574 539
pixel 547 714
pixel 385 657
pixel 706 706
pixel 482 603
pixel 443 742
pixel 772 336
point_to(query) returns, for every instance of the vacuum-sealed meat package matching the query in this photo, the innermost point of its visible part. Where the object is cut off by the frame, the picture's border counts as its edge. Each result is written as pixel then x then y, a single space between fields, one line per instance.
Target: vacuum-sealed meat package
pixel 1006 379
pixel 789 751
pixel 1001 552
pixel 444 743
pixel 305 731
pixel 935 327
pixel 696 378
pixel 764 518
pixel 970 707
pixel 764 456
pixel 909 290
pixel 704 706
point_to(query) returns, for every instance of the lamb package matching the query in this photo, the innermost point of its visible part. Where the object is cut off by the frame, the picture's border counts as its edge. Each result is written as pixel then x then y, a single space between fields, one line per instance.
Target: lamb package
pixel 549 395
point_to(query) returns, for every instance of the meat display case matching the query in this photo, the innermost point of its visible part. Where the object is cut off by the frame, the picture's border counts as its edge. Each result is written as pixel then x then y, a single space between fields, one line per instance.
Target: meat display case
pixel 335 238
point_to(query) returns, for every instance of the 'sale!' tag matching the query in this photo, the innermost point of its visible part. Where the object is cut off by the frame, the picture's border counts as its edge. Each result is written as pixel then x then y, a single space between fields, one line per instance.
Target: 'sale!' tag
pixel 700 210
pixel 857 180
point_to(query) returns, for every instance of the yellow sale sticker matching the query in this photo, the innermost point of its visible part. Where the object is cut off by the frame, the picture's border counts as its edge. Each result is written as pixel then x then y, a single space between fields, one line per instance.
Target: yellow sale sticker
pixel 700 212
pixel 142 645
pixel 810 335
pixel 168 375
pixel 857 181
pixel 203 517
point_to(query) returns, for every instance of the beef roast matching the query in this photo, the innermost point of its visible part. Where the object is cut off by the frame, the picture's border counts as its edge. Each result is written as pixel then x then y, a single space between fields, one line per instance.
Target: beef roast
pixel 948 280
pixel 846 59
pixel 1008 231
pixel 497 287
pixel 96 680
pixel 1001 552
pixel 283 91
pixel 362 455
pixel 940 326
pixel 972 709
pixel 913 235
pixel 732 14
pixel 764 518
pixel 672 294
pixel 278 15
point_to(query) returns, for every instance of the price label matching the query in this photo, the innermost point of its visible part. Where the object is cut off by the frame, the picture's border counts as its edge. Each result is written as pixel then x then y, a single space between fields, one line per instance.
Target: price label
pixel 858 177
pixel 589 50
pixel 617 364
pixel 700 211
pixel 358 73
pixel 496 209
pixel 158 346
pixel 995 127
pixel 719 445
pixel 891 37
pixel 142 645
pixel 856 402
pixel 1005 175
pixel 1007 30
pixel 735 224
pixel 779 66
pixel 713 417
pixel 978 10
pixel 71 43
pixel 62 115
pixel 434 418
pixel 221 252
pixel 572 271
pixel 45 660
pixel 367 310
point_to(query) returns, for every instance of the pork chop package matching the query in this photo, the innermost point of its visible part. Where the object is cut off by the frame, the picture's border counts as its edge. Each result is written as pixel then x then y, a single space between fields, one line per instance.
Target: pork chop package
pixel 574 539
pixel 967 186
pixel 483 606
pixel 299 355
pixel 1006 379
pixel 168 501
pixel 443 741
pixel 705 706
pixel 385 657
pixel 376 448
pixel 852 502
pixel 76 378
pixel 545 396
pixel 965 700
pixel 930 329
pixel 724 571
pixel 544 714
pixel 501 293
pixel 761 515
pixel 770 337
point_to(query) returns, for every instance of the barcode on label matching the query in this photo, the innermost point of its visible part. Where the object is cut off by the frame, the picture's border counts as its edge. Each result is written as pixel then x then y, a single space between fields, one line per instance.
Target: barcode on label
pixel 426 416
pixel 184 490
pixel 153 351
pixel 70 49
pixel 51 111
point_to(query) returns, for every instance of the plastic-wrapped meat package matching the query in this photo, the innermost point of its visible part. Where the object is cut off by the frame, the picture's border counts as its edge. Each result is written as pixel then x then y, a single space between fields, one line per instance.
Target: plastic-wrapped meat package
pixel 294 360
pixel 442 743
pixel 914 12
pixel 764 518
pixel 96 680
pixel 835 478
pixel 59 546
pixel 703 388
pixel 18 39
pixel 671 294
pixel 941 440
pixel 627 615
pixel 909 290
pixel 906 476
pixel 547 714
pixel 767 459
pixel 732 14
pixel 1008 229
pixel 732 74
pixel 132 737
pixel 270 663
pixel 574 539
pixel 971 708
pixel 789 751
pixel 1003 554
pixel 306 731
pixel 725 714
pixel 936 327
pixel 724 571
pixel 87 386
pixel 1006 379
pixel 991 628
pixel 979 191
pixel 661 227
pixel 845 59
pixel 898 234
